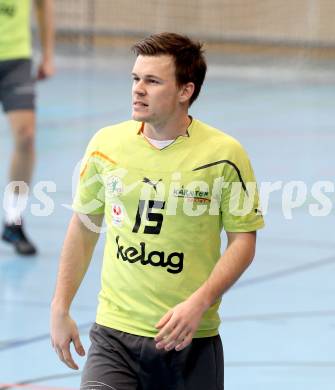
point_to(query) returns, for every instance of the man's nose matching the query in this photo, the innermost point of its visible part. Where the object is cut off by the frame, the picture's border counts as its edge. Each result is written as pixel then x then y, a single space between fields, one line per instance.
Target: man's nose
pixel 139 88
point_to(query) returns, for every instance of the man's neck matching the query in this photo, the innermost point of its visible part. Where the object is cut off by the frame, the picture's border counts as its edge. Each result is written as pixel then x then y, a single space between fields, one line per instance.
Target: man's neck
pixel 167 131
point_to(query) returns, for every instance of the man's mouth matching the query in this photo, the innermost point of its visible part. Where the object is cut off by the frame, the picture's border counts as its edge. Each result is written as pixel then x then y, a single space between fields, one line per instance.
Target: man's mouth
pixel 137 103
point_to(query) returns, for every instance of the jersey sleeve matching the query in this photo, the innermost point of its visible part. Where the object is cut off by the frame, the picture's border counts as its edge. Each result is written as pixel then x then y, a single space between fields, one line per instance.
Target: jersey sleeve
pixel 240 210
pixel 90 192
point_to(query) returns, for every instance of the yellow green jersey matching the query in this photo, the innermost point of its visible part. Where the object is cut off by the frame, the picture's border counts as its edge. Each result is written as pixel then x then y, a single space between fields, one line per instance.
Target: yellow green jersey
pixel 15 39
pixel 164 211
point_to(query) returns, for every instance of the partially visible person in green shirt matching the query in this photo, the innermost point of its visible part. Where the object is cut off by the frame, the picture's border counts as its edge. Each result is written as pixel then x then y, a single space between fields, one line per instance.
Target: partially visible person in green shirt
pixel 17 96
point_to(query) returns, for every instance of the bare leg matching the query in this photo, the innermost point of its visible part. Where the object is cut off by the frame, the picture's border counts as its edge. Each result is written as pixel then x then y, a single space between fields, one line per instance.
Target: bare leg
pixel 22 124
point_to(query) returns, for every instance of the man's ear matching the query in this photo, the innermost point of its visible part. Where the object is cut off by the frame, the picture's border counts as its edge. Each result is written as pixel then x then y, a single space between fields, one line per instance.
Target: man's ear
pixel 186 91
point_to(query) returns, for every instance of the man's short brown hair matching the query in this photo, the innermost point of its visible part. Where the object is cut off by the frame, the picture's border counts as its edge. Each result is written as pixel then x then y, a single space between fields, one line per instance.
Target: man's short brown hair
pixel 188 57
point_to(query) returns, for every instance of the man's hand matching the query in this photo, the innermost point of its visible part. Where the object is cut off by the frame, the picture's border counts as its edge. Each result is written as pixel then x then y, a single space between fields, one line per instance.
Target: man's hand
pixel 179 324
pixel 64 331
pixel 74 260
pixel 45 70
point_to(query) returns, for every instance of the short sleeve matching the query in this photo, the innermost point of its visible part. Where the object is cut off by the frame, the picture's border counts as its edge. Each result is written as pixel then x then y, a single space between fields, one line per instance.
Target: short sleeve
pixel 240 210
pixel 90 193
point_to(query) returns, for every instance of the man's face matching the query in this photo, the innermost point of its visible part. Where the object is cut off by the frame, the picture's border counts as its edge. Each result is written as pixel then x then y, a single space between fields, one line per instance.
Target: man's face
pixel 155 93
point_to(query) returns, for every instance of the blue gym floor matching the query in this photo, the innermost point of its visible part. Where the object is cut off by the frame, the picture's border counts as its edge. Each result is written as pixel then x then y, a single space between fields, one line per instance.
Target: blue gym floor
pixel 278 321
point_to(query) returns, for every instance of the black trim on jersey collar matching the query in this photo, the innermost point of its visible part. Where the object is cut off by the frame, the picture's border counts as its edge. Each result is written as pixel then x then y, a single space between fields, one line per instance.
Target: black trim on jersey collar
pixel 225 162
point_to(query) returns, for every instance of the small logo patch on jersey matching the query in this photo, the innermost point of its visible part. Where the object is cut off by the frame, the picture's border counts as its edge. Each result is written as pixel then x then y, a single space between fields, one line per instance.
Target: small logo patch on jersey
pixel 150 182
pixel 195 196
pixel 114 186
pixel 117 215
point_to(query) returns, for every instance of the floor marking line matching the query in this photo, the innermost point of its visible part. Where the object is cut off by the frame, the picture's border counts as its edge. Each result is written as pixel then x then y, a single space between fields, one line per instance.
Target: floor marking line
pixel 279 316
pixel 286 272
pixel 10 344
pixel 30 383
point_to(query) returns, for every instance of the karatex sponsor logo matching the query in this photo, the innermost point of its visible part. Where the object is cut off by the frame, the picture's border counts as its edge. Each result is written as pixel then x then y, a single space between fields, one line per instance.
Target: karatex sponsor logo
pixel 195 196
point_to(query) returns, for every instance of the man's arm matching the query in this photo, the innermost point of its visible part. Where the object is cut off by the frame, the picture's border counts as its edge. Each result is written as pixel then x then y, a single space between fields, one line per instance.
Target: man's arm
pixel 75 258
pixel 45 21
pixel 179 324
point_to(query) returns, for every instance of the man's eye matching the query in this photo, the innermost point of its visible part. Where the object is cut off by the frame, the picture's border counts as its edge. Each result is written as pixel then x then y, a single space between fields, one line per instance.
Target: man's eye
pixel 153 81
pixel 135 78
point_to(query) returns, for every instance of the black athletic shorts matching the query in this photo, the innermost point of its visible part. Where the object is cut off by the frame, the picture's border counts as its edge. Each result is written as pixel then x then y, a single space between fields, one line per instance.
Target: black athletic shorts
pixel 16 85
pixel 122 361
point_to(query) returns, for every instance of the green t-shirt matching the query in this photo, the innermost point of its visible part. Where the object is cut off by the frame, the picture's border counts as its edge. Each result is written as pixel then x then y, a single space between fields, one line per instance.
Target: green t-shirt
pixel 164 212
pixel 15 40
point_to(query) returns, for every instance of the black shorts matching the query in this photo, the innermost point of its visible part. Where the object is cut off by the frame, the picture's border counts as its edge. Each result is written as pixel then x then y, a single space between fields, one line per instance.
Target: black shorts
pixel 16 85
pixel 122 361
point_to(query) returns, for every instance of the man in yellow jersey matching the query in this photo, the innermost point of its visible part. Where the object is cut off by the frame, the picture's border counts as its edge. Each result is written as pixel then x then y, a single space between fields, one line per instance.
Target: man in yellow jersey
pixel 18 101
pixel 166 184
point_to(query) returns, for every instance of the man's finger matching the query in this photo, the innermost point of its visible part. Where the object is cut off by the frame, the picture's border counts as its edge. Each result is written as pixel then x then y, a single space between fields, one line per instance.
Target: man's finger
pixel 164 333
pixel 164 319
pixel 68 358
pixel 179 333
pixel 78 345
pixel 166 328
pixel 171 337
pixel 187 341
pixel 175 339
pixel 60 354
pixel 165 338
